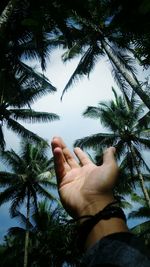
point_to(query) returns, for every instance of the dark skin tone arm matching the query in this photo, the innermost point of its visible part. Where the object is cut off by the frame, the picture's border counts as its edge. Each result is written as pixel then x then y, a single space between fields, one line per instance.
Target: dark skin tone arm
pixel 85 188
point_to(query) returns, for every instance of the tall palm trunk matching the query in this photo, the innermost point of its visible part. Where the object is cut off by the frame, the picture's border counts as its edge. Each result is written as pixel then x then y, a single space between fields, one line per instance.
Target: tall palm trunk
pixel 26 246
pixel 143 187
pixel 132 81
pixel 5 15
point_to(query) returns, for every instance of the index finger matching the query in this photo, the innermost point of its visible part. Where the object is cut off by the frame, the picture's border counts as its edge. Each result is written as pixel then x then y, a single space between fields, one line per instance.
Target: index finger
pixel 60 165
pixel 67 155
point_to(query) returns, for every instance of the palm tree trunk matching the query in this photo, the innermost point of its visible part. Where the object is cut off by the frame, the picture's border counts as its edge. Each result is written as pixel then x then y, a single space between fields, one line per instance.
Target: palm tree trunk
pixel 26 246
pixel 142 183
pixel 132 81
pixel 5 15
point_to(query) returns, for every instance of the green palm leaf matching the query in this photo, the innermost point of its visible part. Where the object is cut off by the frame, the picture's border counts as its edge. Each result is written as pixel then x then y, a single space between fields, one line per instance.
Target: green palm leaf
pixel 18 199
pixel 28 75
pixel 7 195
pixel 100 139
pixel 86 64
pixel 31 116
pixel 28 96
pixel 144 142
pixel 22 131
pixel 141 229
pixel 6 178
pixel 45 193
pixel 72 52
pixel 12 158
pixel 145 120
pixel 142 212
pixel 92 112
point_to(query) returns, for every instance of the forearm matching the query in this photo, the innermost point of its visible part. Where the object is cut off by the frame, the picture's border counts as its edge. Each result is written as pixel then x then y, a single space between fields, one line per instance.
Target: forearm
pixel 104 228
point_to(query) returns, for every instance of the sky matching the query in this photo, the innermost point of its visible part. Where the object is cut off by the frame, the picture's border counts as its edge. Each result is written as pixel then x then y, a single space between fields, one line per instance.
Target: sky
pixel 72 125
pixel 84 93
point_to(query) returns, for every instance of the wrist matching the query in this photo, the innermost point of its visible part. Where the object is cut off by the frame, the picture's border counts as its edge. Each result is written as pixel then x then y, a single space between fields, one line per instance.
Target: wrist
pixel 97 204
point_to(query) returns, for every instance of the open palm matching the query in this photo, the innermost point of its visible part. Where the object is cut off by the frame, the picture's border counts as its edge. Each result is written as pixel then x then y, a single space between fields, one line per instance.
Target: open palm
pixel 84 187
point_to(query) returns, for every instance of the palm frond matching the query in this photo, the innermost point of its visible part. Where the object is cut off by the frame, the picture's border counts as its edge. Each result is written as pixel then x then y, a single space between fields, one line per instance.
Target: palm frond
pixel 6 178
pixel 95 140
pixel 73 52
pixel 110 115
pixel 12 159
pixel 125 204
pixel 137 199
pixel 124 185
pixel 121 82
pixel 141 160
pixel 142 212
pixel 29 152
pixel 144 142
pixel 145 132
pixel 128 164
pixel 7 194
pixel 27 96
pixel 85 66
pixel 120 148
pixel 16 231
pixel 31 116
pixel 22 131
pixel 92 112
pixel 125 60
pixel 141 229
pixel 144 121
pixel 27 76
pixel 45 176
pixel 45 193
pixel 22 220
pixel 47 183
pixel 18 199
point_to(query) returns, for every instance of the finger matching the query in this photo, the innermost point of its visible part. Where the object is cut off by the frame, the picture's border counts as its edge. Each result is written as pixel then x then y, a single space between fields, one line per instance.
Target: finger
pixel 56 143
pixel 109 156
pixel 60 165
pixel 59 142
pixel 70 159
pixel 82 156
pixel 67 155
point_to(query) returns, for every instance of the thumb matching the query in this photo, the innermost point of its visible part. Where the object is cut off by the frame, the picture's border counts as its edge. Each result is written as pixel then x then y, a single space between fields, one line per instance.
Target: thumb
pixel 110 164
pixel 109 156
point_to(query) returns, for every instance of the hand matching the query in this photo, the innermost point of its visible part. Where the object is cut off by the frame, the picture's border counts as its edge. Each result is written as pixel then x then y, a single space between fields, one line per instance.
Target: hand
pixel 84 188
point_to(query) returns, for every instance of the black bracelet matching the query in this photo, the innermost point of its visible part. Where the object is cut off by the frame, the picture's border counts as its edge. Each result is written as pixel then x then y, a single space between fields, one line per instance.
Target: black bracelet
pixel 110 211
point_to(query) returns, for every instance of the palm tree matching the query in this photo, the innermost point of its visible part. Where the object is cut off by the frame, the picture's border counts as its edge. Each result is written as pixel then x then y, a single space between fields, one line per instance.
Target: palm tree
pixel 52 241
pixel 29 28
pixel 93 38
pixel 55 238
pixel 31 174
pixel 15 104
pixel 91 34
pixel 20 85
pixel 142 212
pixel 129 131
pixel 135 28
pixel 11 254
